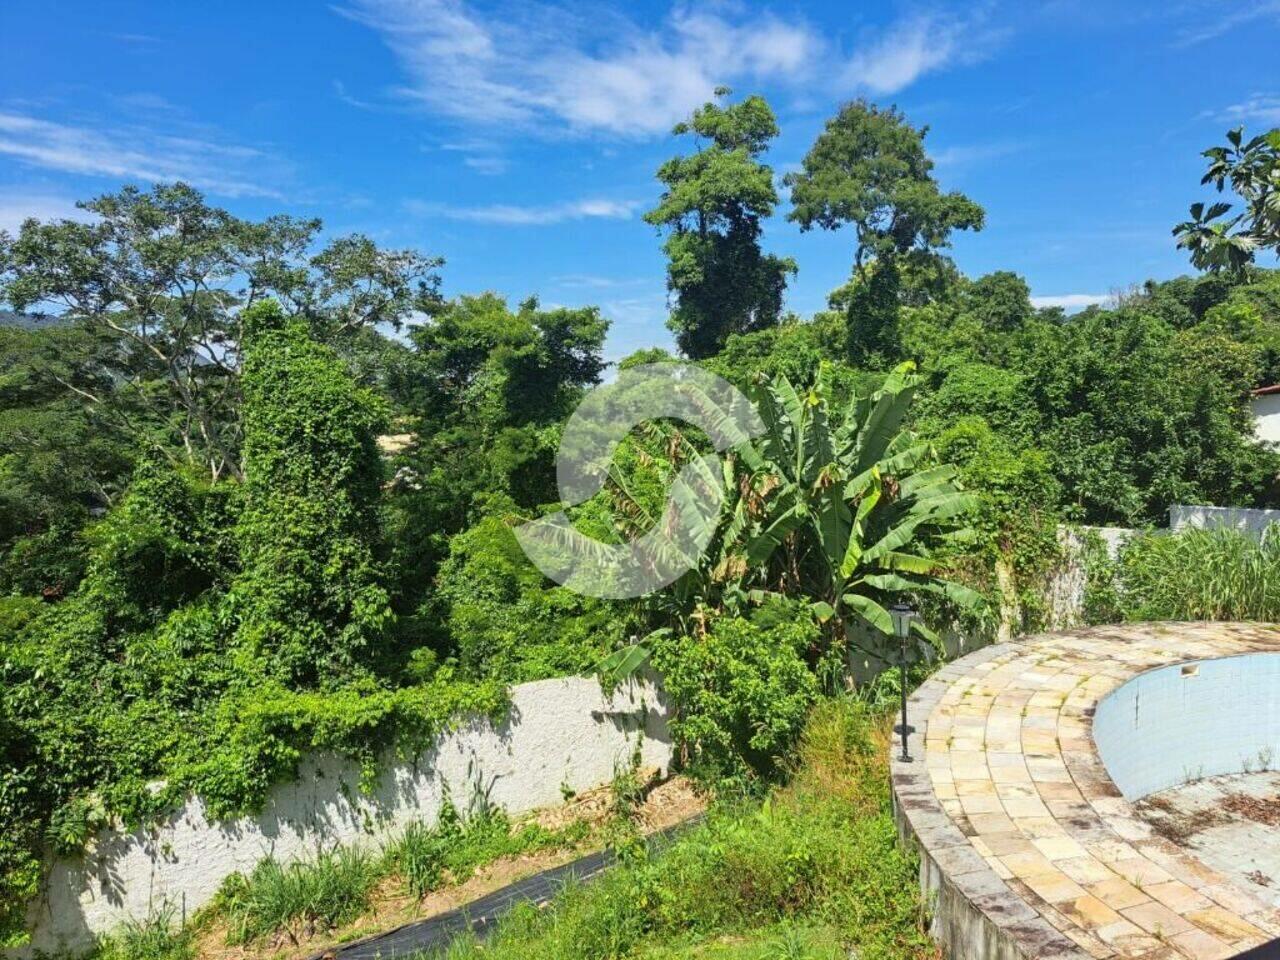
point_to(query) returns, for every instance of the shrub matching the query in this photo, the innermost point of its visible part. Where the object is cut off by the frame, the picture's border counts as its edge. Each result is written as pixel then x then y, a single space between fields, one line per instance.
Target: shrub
pixel 741 693
pixel 309 601
pixel 506 620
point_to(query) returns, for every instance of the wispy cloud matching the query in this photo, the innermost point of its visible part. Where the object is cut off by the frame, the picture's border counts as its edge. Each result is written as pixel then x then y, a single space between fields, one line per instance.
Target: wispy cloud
pixel 18 205
pixel 139 154
pixel 1217 18
pixel 479 155
pixel 542 66
pixel 591 281
pixel 969 154
pixel 1260 108
pixel 914 47
pixel 528 216
pixel 1072 301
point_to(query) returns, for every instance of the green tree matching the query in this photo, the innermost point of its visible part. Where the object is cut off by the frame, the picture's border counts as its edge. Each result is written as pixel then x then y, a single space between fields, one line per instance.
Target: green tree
pixel 713 203
pixel 309 600
pixel 1219 242
pixel 1000 300
pixel 165 278
pixel 60 461
pixel 868 169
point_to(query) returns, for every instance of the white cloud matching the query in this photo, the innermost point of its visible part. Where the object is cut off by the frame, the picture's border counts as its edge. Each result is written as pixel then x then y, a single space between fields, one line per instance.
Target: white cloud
pixel 966 155
pixel 1221 18
pixel 596 282
pixel 18 205
pixel 1260 108
pixel 528 216
pixel 137 153
pixel 1072 301
pixel 542 66
pixel 912 48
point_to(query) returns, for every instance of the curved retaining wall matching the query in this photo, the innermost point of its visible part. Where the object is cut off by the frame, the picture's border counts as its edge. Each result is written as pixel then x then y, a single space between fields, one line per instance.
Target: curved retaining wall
pixel 563 732
pixel 1185 721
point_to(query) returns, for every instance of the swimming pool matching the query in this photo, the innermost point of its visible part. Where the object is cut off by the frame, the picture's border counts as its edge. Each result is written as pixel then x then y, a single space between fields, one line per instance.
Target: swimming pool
pixel 1185 721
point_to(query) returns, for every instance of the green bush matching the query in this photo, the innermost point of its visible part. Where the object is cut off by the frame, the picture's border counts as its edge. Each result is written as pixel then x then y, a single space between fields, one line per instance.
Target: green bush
pixel 309 600
pixel 504 619
pixel 741 693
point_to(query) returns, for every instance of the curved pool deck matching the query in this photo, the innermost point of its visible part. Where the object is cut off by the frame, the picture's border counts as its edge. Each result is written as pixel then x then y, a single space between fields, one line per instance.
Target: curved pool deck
pixel 1028 847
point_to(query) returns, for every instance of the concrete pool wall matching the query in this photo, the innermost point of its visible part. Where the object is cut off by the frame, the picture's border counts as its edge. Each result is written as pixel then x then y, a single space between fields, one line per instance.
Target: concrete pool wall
pixel 1191 720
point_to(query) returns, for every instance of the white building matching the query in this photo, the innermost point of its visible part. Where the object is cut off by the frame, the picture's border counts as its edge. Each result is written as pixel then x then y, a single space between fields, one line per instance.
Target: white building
pixel 1266 412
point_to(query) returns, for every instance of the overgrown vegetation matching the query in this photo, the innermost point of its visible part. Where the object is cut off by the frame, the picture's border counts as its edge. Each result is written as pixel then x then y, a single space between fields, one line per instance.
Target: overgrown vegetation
pixel 816 866
pixel 210 566
pixel 1189 575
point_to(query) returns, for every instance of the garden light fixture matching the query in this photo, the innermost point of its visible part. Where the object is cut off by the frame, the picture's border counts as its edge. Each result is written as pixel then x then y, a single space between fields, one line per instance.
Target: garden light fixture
pixel 902 615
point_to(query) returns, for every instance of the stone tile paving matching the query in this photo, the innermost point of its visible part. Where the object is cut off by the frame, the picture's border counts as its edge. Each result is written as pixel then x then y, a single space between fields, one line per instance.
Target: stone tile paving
pixel 1231 823
pixel 1019 824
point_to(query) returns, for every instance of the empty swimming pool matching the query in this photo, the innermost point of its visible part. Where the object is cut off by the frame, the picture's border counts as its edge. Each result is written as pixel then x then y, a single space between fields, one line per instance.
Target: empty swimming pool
pixel 1186 721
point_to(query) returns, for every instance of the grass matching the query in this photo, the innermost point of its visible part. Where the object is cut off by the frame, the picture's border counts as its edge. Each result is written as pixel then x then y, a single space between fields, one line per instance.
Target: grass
pixel 455 847
pixel 300 898
pixel 812 872
pixel 1201 575
pixel 153 939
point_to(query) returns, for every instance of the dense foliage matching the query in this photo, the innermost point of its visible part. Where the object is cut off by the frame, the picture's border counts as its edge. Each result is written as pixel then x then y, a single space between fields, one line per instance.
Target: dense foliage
pixel 241 519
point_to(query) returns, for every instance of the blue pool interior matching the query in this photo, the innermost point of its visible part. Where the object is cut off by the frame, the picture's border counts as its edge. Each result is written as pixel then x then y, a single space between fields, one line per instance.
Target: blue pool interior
pixel 1203 718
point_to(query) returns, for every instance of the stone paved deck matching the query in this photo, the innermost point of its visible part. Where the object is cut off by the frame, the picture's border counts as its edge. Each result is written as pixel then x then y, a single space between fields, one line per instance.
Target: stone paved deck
pixel 1026 845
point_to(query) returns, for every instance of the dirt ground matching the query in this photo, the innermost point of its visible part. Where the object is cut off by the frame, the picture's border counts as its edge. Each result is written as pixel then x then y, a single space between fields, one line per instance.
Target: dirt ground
pixel 667 803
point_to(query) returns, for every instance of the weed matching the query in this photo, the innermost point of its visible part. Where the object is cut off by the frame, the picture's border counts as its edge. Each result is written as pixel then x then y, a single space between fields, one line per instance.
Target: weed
pixel 299 898
pixel 156 938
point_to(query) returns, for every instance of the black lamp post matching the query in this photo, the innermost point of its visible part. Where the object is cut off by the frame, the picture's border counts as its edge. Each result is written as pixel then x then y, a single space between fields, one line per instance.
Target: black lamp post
pixel 902 615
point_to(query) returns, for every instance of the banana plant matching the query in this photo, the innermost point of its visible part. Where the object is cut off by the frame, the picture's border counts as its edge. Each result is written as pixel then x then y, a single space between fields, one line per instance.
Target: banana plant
pixel 843 506
pixel 836 505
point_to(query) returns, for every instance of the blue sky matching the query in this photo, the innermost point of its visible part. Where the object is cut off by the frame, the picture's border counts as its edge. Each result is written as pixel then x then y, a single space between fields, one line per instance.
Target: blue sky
pixel 519 141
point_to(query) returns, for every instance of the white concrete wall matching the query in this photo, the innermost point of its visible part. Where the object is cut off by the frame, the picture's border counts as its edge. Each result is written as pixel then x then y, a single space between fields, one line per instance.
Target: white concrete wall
pixel 558 732
pixel 1064 591
pixel 1235 518
pixel 1266 413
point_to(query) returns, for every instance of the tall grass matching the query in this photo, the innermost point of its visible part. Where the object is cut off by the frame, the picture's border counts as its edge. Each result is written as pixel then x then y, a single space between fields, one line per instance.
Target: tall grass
pixel 302 899
pixel 1201 575
pixel 814 870
pixel 299 898
pixel 425 857
pixel 159 937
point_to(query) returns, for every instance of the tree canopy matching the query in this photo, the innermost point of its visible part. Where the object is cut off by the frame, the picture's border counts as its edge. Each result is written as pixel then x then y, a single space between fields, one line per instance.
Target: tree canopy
pixel 714 201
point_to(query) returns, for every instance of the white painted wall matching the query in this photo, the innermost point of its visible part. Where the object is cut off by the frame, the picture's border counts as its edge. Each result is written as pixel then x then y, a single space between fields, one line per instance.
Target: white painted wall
pixel 1234 518
pixel 562 731
pixel 1266 413
pixel 1064 590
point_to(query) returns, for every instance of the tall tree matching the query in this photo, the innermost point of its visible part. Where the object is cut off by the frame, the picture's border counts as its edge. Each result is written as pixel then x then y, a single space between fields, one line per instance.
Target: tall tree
pixel 166 277
pixel 714 201
pixel 1219 242
pixel 869 169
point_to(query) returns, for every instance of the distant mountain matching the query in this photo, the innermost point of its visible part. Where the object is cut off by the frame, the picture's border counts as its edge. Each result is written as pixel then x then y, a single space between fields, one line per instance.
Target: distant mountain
pixel 27 321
